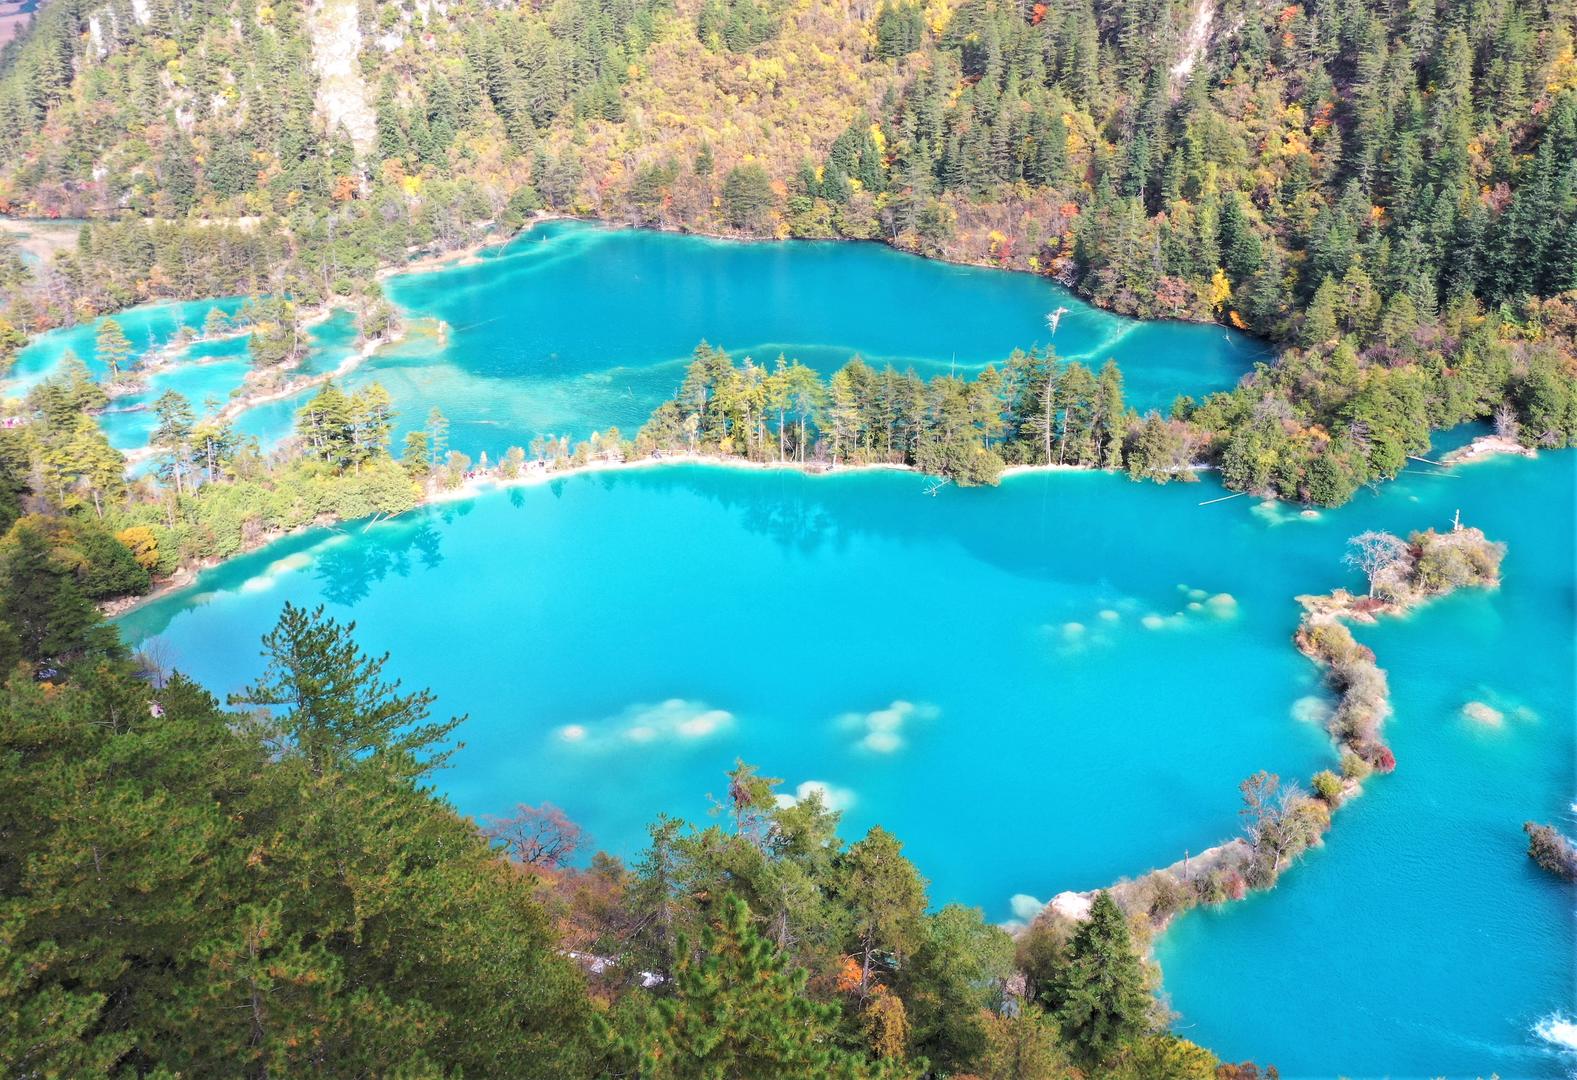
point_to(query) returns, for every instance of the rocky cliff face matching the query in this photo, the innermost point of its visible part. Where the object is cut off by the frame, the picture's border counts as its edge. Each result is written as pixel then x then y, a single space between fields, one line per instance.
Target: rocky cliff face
pixel 342 99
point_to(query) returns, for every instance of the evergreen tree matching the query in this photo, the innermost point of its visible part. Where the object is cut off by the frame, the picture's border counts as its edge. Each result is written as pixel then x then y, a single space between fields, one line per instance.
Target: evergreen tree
pixel 52 624
pixel 747 197
pixel 414 456
pixel 1098 998
pixel 887 897
pixel 112 346
pixel 172 439
pixel 437 438
pixel 736 1009
pixel 337 709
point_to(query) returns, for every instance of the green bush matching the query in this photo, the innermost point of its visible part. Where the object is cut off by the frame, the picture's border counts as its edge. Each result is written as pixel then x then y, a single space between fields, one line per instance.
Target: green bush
pixel 1328 786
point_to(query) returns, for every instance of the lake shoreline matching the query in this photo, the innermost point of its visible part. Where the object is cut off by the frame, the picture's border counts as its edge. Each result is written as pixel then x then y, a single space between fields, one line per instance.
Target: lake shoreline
pixel 538 474
pixel 1485 447
pixel 470 255
pixel 486 483
pixel 1235 868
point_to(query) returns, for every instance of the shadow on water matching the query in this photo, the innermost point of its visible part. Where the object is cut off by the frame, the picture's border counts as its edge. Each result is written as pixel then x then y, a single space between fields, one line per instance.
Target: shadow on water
pixel 348 571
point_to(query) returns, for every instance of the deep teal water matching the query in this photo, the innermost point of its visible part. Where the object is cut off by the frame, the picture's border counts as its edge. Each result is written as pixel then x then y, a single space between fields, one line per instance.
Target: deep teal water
pixel 572 327
pixel 1016 683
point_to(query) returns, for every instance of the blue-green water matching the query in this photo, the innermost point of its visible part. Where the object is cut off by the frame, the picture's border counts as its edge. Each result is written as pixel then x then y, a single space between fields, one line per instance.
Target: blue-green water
pixel 1421 941
pixel 572 328
pixel 147 327
pixel 1039 687
pixel 332 341
pixel 206 372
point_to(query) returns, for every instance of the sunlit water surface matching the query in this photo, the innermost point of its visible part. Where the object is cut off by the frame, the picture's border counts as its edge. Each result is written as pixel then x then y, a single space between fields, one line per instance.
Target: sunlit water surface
pixel 1039 687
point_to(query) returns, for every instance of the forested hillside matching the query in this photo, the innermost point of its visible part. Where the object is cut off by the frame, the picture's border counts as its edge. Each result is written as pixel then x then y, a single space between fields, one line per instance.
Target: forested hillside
pixel 1389 191
pixel 1135 147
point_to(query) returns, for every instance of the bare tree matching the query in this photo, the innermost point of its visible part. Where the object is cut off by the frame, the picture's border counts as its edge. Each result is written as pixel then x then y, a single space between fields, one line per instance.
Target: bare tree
pixel 1273 825
pixel 1506 425
pixel 155 661
pixel 541 836
pixel 1374 553
pixel 1261 806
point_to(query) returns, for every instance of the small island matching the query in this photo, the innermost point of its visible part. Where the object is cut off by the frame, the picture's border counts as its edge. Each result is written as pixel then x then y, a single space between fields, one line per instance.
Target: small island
pixel 1552 850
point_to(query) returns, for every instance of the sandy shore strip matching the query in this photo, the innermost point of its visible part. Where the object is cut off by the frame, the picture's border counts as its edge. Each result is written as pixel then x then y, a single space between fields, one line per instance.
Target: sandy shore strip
pixel 1488 446
pixel 532 475
pixel 535 474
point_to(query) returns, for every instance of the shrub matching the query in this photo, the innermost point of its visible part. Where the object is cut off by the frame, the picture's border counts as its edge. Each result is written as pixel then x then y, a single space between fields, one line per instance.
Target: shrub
pixel 1551 850
pixel 1365 700
pixel 1260 871
pixel 1328 786
pixel 1306 822
pixel 1450 560
pixel 1158 896
pixel 1355 767
pixel 142 543
pixel 1220 885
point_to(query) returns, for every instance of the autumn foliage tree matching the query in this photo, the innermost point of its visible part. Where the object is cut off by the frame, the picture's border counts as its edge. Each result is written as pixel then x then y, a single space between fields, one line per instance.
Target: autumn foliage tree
pixel 537 836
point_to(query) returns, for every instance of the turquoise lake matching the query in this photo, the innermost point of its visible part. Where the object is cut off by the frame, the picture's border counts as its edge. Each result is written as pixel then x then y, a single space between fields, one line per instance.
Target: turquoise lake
pixel 1039 687
pixel 572 328
pixel 966 670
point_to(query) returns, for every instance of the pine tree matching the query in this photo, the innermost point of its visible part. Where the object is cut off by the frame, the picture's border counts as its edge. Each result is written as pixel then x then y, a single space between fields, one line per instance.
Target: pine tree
pixel 437 438
pixel 326 428
pixel 112 346
pixel 371 417
pixel 298 919
pixel 172 438
pixel 887 897
pixel 100 468
pixel 1098 998
pixel 414 455
pixel 40 601
pixel 1319 321
pixel 338 709
pixel 736 1009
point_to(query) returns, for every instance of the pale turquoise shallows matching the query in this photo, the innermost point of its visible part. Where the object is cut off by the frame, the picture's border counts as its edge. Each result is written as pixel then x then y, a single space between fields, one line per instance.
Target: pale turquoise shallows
pixel 1039 687
pixel 333 341
pixel 147 327
pixel 207 373
pixel 572 328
